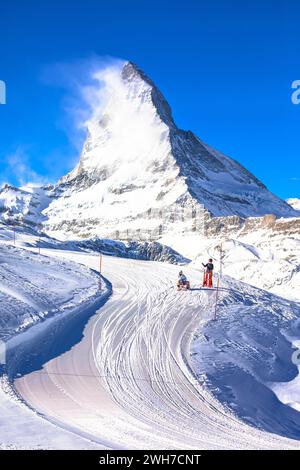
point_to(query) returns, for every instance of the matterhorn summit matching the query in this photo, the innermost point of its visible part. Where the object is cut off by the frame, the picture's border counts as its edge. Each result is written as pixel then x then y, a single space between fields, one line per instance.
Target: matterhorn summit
pixel 139 175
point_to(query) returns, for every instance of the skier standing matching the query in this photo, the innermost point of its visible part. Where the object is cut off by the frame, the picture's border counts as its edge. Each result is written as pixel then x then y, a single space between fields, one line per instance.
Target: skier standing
pixel 208 273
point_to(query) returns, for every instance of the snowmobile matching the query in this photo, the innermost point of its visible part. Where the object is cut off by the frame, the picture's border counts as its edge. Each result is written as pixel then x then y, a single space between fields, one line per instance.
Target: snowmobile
pixel 183 285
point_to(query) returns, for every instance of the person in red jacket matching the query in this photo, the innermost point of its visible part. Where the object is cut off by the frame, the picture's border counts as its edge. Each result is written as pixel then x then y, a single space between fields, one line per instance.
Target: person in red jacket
pixel 208 273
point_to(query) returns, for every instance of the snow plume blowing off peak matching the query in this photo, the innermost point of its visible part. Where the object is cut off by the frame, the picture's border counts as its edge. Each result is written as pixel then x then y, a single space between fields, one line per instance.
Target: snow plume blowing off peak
pixel 129 119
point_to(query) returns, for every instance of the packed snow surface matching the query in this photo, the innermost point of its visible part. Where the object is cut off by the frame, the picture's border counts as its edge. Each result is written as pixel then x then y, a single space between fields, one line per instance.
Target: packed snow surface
pixel 130 382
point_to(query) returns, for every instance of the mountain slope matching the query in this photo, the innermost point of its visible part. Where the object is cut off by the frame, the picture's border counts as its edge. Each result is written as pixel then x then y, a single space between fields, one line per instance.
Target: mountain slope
pixel 24 205
pixel 24 300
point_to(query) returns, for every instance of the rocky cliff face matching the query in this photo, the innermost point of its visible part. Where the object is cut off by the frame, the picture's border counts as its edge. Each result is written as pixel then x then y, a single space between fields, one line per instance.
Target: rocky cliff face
pixel 236 226
pixel 24 206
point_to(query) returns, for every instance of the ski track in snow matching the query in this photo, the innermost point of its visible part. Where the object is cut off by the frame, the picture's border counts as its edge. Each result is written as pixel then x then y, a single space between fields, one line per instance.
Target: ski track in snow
pixel 128 383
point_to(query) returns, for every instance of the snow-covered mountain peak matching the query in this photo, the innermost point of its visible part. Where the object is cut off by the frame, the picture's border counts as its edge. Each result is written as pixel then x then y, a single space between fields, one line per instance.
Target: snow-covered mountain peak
pixel 130 122
pixel 139 171
pixel 128 147
pixel 144 88
pixel 141 177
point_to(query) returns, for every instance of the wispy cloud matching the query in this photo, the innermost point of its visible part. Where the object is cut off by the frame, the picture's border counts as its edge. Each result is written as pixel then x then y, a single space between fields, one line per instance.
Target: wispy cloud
pixel 18 169
pixel 80 82
pixel 83 85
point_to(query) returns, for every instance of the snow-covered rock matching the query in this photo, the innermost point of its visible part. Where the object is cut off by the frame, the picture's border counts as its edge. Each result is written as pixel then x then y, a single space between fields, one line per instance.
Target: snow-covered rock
pixel 148 251
pixel 294 202
pixel 24 205
pixel 27 237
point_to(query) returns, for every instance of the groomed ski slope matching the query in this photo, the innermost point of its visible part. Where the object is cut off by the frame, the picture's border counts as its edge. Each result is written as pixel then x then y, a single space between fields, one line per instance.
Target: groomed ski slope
pixel 128 383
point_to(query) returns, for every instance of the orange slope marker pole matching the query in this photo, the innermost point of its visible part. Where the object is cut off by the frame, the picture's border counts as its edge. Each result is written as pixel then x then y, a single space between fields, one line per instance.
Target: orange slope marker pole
pixel 217 297
pixel 219 281
pixel 100 271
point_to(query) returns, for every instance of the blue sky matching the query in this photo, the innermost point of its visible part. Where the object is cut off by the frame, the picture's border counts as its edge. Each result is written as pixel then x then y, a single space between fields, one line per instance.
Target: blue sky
pixel 226 68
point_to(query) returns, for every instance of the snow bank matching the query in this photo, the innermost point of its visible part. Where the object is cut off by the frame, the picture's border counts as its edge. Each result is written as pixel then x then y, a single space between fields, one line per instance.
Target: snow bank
pixel 34 286
pixel 241 356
